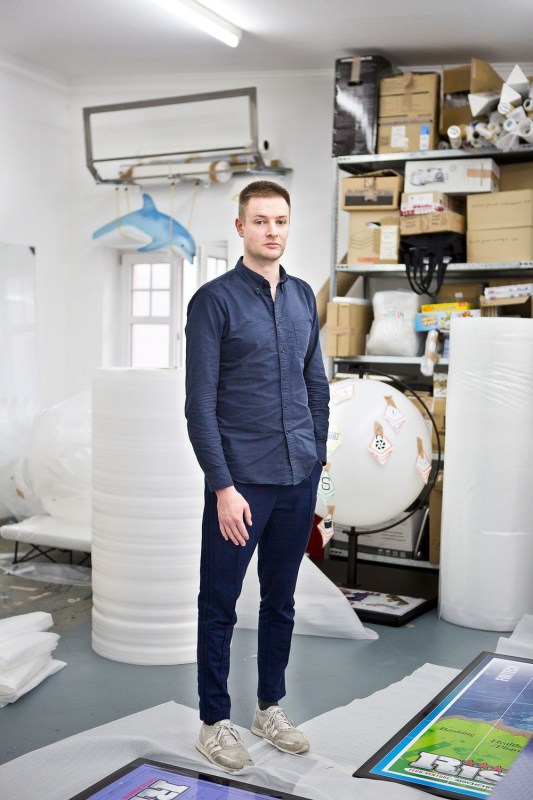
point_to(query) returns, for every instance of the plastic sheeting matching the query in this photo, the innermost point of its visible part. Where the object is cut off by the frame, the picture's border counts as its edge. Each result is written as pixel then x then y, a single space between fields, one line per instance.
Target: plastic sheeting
pixel 147 506
pixel 487 515
pixel 25 654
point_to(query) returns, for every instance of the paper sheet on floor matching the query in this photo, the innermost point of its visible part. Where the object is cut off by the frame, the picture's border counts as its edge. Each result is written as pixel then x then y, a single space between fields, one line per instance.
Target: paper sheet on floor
pixel 341 740
pixel 321 608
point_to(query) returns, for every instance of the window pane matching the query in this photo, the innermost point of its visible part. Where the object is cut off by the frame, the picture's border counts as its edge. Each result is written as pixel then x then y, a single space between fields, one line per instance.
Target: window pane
pixel 222 266
pixel 141 276
pixel 149 346
pixel 160 304
pixel 160 276
pixel 140 304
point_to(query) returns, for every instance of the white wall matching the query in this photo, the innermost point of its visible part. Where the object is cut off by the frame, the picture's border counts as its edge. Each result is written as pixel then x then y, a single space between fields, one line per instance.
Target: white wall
pixel 33 190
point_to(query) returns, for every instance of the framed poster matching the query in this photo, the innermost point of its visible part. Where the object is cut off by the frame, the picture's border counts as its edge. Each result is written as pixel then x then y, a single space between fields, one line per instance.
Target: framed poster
pixel 464 741
pixel 144 779
pixel 386 608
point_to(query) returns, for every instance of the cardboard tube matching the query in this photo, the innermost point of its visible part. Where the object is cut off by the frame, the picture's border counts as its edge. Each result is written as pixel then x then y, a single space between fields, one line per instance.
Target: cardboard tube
pixel 510 125
pixel 455 136
pixel 525 130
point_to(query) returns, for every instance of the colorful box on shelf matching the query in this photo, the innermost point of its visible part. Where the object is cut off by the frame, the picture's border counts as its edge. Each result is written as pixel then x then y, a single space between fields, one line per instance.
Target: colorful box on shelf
pixel 457 305
pixel 440 320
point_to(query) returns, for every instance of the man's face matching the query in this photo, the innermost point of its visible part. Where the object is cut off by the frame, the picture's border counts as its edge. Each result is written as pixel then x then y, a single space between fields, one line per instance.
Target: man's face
pixel 264 229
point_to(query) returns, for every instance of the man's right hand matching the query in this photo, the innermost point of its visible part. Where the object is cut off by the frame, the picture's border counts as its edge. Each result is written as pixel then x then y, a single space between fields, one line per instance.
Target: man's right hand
pixel 233 512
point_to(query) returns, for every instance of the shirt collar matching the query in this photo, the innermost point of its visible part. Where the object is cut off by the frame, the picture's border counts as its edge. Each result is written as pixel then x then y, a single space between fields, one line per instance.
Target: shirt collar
pixel 255 280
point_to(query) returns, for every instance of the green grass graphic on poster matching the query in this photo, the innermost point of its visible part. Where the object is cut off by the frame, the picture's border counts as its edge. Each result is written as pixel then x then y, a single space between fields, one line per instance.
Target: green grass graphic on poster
pixel 464 741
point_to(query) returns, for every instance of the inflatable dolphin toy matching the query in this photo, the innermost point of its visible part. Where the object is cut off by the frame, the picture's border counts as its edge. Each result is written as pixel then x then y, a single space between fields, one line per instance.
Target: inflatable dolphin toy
pixel 163 230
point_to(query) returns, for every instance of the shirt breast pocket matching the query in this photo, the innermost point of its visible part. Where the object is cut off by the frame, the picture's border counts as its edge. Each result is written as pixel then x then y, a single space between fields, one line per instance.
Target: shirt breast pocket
pixel 302 333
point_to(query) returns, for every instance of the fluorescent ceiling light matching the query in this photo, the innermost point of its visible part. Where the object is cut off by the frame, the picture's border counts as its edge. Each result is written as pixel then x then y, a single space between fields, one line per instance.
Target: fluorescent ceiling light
pixel 203 18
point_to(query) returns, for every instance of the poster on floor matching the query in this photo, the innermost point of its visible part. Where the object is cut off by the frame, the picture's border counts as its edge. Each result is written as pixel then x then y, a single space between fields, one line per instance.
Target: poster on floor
pixel 144 779
pixel 463 743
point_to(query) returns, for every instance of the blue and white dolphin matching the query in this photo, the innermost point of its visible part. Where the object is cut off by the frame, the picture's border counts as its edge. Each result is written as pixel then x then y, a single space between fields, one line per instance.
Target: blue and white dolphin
pixel 164 231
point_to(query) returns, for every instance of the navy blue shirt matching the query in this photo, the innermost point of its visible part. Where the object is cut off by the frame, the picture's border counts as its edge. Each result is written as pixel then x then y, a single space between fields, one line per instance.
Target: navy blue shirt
pixel 257 396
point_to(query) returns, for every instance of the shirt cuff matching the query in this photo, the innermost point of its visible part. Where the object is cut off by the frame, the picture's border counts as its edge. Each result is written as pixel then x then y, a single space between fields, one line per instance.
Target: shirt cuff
pixel 218 478
pixel 321 452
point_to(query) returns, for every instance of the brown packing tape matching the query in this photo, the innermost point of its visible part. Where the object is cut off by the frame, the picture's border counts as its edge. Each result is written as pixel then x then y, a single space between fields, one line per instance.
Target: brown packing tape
pixel 478 172
pixel 339 330
pixel 355 76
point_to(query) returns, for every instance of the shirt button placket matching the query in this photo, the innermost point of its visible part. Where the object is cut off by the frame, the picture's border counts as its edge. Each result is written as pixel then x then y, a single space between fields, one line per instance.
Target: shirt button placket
pixel 284 369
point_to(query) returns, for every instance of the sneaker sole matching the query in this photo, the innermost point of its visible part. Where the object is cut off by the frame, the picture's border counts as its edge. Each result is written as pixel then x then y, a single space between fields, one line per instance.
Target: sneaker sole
pixel 259 732
pixel 199 746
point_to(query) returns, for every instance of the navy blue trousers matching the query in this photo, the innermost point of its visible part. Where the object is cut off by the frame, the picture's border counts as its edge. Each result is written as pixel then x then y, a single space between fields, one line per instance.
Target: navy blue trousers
pixel 282 517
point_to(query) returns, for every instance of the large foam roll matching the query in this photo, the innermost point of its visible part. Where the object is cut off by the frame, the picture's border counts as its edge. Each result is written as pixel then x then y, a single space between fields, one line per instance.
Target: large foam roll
pixel 487 516
pixel 147 507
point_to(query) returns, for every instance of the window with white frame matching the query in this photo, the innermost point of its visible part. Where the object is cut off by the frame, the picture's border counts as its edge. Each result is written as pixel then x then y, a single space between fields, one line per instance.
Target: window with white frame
pixel 157 288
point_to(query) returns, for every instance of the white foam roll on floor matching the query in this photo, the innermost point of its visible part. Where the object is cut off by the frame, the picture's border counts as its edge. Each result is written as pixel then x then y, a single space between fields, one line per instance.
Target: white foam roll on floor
pixel 147 509
pixel 487 516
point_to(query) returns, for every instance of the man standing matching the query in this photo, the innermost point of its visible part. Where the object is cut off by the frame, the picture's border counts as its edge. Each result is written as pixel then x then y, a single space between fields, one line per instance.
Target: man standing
pixel 257 412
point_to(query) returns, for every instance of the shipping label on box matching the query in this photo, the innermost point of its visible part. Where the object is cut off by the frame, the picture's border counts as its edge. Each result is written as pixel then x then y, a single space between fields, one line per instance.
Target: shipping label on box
pixel 379 190
pixel 347 327
pixel 453 175
pixel 500 245
pixel 501 210
pixel 430 203
pixel 374 237
pixel 439 222
pixel 402 137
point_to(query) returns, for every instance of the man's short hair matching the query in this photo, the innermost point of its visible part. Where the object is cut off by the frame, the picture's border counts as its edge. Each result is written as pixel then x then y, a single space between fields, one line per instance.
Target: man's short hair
pixel 261 189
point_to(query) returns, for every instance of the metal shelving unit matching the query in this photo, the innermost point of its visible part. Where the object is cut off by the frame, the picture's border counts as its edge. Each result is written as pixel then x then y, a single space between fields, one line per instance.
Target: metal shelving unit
pixel 369 163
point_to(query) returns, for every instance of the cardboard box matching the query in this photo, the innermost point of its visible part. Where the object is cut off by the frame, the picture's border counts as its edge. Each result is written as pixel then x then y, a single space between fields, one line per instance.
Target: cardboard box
pixel 377 190
pixel 453 175
pixel 407 137
pixel 438 412
pixel 440 320
pixel 430 203
pixel 453 305
pixel 401 541
pixel 355 114
pixel 500 210
pixel 516 176
pixel 435 517
pixel 507 307
pixel 347 327
pixel 410 97
pixel 345 281
pixel 374 237
pixel 432 223
pixel 471 292
pixel 478 76
pixel 500 245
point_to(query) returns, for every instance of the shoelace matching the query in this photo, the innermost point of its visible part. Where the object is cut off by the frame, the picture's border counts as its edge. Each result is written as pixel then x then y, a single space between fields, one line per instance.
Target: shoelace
pixel 278 720
pixel 226 734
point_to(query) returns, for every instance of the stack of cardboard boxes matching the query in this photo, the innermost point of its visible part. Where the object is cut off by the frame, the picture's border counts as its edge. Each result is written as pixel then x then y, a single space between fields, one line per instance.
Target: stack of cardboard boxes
pixel 408 112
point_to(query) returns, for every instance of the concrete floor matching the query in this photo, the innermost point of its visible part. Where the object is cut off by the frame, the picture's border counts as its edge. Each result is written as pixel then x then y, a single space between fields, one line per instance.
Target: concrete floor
pixel 323 674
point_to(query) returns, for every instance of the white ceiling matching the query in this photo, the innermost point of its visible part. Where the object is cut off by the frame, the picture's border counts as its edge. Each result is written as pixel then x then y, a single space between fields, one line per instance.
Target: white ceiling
pixel 78 40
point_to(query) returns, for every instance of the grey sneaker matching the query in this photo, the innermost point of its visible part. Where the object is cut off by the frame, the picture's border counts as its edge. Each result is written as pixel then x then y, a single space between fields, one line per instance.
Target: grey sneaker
pixel 276 726
pixel 222 745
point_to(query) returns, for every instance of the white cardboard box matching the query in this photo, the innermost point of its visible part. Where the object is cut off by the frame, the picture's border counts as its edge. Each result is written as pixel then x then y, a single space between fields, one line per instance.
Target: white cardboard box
pixel 452 175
